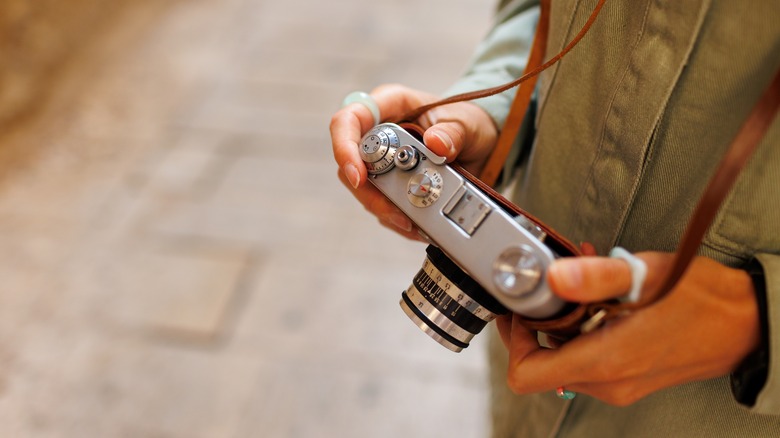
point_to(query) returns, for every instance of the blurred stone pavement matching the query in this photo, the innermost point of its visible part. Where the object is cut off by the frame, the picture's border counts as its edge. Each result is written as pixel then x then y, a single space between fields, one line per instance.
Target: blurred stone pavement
pixel 178 257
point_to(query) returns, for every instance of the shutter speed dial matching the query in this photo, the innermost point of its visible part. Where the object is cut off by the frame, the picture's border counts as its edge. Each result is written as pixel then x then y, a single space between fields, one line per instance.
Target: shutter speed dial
pixel 420 185
pixel 424 188
pixel 378 149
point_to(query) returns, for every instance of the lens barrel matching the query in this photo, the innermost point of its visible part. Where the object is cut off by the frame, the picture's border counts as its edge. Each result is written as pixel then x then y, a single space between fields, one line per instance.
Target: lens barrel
pixel 446 303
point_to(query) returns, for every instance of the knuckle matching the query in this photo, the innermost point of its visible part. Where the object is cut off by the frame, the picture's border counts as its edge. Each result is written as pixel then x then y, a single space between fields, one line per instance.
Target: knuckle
pixel 611 367
pixel 371 206
pixel 377 206
pixel 458 133
pixel 621 396
pixel 338 118
pixel 605 369
pixel 515 383
pixel 617 269
pixel 637 367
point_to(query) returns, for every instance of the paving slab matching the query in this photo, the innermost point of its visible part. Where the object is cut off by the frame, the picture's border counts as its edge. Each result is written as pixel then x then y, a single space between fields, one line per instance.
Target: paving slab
pixel 180 259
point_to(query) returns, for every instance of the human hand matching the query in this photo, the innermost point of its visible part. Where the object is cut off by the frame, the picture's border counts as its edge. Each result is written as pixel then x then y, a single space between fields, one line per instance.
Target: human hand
pixel 460 130
pixel 702 329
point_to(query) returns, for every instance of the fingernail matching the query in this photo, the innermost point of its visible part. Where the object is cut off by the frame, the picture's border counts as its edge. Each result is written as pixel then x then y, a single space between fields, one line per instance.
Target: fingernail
pixel 566 275
pixel 445 138
pixel 401 221
pixel 353 176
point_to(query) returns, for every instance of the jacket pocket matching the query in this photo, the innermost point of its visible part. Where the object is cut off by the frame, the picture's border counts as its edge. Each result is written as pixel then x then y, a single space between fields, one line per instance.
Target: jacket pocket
pixel 749 219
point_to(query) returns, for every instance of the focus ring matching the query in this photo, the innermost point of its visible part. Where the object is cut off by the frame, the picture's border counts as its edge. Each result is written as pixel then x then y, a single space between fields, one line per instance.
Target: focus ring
pixel 463 281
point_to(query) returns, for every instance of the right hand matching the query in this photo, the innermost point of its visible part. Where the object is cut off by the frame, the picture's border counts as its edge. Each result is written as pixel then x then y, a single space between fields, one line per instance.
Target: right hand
pixel 460 130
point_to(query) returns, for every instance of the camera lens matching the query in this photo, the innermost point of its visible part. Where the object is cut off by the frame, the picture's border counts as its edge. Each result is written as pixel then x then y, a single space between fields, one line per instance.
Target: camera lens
pixel 446 303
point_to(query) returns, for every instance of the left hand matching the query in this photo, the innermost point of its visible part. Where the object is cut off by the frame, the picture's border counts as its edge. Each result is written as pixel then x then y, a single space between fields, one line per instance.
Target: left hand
pixel 461 130
pixel 702 329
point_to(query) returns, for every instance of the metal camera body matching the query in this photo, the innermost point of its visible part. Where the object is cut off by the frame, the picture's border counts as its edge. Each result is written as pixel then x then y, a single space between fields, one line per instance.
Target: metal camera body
pixel 504 254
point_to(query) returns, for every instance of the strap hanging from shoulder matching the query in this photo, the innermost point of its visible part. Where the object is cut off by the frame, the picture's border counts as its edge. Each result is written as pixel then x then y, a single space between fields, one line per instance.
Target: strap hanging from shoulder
pixel 527 82
pixel 517 112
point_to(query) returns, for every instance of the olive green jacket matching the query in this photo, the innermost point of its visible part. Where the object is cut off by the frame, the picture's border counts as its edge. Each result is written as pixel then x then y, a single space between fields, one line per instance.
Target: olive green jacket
pixel 629 128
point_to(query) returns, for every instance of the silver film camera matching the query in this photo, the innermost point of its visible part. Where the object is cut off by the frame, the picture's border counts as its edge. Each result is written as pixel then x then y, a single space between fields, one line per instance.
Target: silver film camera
pixel 483 261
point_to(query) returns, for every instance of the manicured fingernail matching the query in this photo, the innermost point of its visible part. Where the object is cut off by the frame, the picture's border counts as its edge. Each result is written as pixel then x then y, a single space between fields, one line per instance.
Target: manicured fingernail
pixel 353 176
pixel 566 275
pixel 401 221
pixel 445 138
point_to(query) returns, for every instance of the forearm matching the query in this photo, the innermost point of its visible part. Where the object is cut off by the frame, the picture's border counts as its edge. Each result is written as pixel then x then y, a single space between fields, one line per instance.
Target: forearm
pixel 501 57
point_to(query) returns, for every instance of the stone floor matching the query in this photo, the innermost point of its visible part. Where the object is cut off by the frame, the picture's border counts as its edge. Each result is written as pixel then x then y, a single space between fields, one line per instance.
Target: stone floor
pixel 179 259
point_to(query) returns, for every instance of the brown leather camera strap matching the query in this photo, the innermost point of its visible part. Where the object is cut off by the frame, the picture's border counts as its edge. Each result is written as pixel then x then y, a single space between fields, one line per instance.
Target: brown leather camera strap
pixel 527 83
pixel 520 104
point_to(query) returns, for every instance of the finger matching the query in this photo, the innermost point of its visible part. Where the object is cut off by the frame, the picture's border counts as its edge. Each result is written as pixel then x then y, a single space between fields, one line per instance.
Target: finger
pixel 627 391
pixel 461 130
pixel 394 100
pixel 377 204
pixel 592 279
pixel 583 359
pixel 623 361
pixel 504 326
pixel 588 249
pixel 412 234
pixel 623 349
pixel 446 139
pixel 346 128
pixel 589 279
pixel 350 123
pixel 522 344
pixel 618 393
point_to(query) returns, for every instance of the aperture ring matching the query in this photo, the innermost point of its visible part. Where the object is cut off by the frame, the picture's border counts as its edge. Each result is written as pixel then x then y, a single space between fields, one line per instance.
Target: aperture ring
pixel 462 298
pixel 436 318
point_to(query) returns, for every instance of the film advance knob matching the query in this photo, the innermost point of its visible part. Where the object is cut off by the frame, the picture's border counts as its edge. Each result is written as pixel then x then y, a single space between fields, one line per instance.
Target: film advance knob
pixel 517 271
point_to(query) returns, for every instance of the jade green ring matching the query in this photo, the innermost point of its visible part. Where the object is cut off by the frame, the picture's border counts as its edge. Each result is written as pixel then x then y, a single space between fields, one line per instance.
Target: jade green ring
pixel 366 100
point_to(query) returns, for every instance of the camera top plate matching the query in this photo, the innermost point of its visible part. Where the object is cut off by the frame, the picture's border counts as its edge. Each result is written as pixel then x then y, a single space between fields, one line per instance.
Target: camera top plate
pixel 489 244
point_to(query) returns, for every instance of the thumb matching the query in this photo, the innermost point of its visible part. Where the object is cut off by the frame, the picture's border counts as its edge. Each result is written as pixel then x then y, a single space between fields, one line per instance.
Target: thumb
pixel 589 279
pixel 445 139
